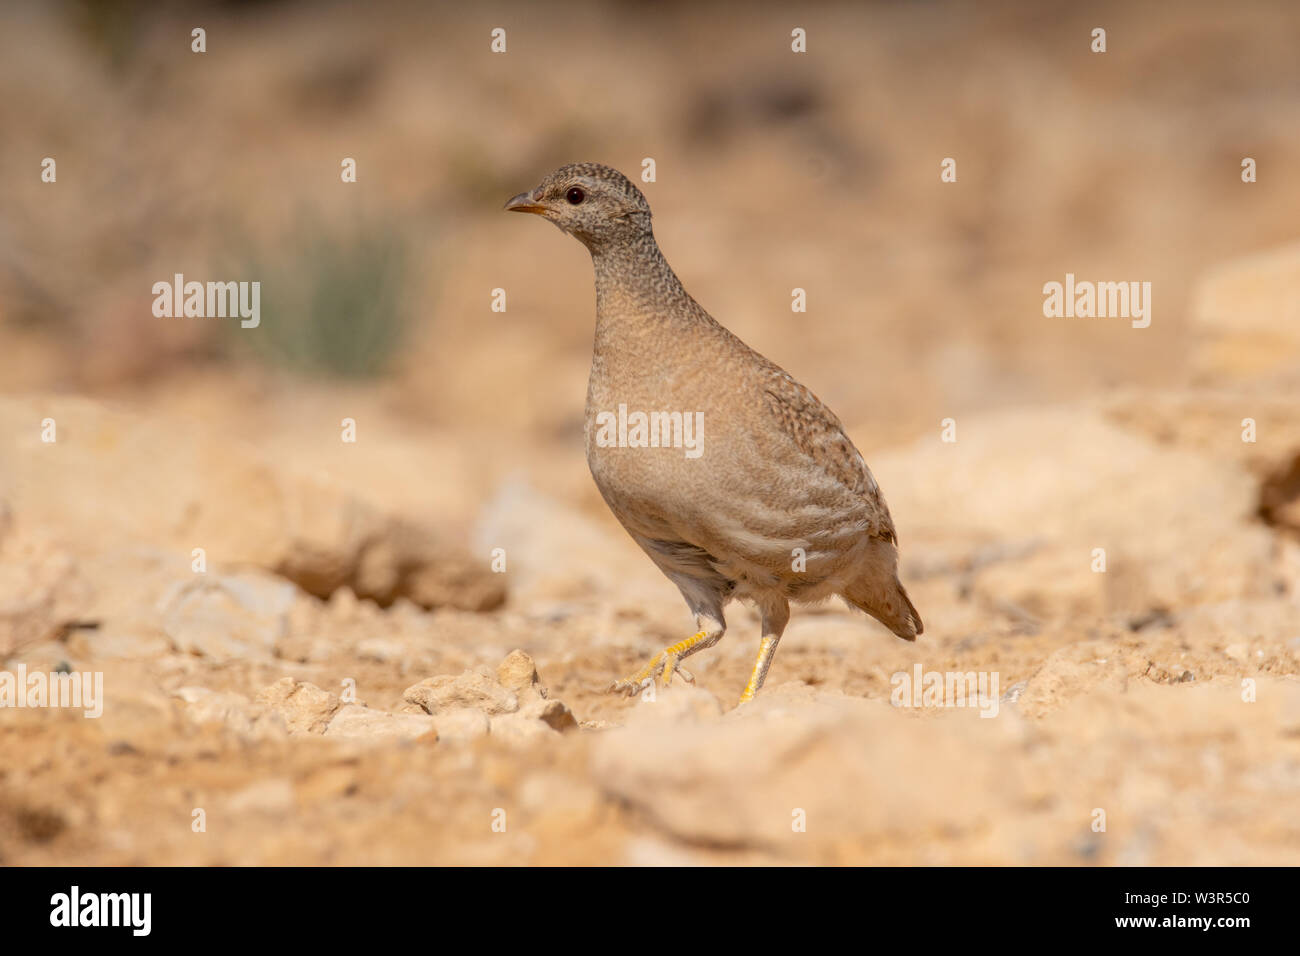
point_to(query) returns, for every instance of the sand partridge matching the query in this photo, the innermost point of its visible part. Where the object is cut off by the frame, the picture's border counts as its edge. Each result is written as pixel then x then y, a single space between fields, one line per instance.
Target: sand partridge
pixel 733 477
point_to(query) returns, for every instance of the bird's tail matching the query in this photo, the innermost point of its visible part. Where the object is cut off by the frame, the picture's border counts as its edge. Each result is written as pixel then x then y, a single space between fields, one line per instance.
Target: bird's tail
pixel 889 605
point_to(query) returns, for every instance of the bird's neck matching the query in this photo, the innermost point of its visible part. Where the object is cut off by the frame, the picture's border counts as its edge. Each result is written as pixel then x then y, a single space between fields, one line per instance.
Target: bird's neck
pixel 635 286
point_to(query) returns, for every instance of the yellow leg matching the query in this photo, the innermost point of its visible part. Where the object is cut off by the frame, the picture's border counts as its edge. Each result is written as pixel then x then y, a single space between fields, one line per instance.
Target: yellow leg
pixel 664 663
pixel 766 651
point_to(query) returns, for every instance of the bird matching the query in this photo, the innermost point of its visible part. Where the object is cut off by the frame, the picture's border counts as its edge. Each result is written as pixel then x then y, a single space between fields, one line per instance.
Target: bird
pixel 743 485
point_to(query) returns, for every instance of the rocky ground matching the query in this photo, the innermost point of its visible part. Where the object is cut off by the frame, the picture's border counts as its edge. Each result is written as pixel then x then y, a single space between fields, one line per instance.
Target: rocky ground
pixel 455 714
pixel 395 650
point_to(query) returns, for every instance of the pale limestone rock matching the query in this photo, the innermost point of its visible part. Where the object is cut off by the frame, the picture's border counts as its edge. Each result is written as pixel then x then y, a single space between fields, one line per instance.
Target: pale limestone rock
pixel 233 711
pixel 460 725
pixel 679 704
pixel 517 672
pixel 1246 315
pixel 354 720
pixel 228 616
pixel 437 694
pixel 240 506
pixel 1052 485
pixel 306 708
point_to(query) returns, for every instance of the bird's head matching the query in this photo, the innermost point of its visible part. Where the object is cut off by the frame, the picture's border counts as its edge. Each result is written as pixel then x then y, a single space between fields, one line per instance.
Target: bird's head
pixel 595 204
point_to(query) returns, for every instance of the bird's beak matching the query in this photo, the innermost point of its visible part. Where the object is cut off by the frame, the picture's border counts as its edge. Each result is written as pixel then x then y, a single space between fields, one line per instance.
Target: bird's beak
pixel 525 202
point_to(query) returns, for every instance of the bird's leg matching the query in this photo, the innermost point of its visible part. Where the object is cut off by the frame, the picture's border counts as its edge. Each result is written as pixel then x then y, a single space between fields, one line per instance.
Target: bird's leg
pixel 774 621
pixel 766 651
pixel 665 663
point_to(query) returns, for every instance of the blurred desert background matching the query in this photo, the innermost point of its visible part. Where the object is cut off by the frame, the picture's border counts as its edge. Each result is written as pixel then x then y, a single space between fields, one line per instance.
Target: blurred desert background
pixel 366 565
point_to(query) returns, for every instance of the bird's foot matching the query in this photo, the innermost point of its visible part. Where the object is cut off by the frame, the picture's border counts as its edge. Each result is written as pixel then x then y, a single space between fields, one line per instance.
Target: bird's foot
pixel 662 666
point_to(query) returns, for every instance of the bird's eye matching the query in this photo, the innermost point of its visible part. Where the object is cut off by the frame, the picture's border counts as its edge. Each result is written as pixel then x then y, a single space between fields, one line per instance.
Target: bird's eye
pixel 575 195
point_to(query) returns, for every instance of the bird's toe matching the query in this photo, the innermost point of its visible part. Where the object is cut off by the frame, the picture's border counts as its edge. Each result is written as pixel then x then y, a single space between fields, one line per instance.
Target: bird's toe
pixel 628 686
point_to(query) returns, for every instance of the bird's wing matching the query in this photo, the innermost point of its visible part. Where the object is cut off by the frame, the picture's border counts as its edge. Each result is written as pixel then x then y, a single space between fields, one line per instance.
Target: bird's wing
pixel 818 434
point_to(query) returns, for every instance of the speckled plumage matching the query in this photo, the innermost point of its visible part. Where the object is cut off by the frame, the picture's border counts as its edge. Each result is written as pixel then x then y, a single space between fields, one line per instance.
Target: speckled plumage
pixel 776 473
